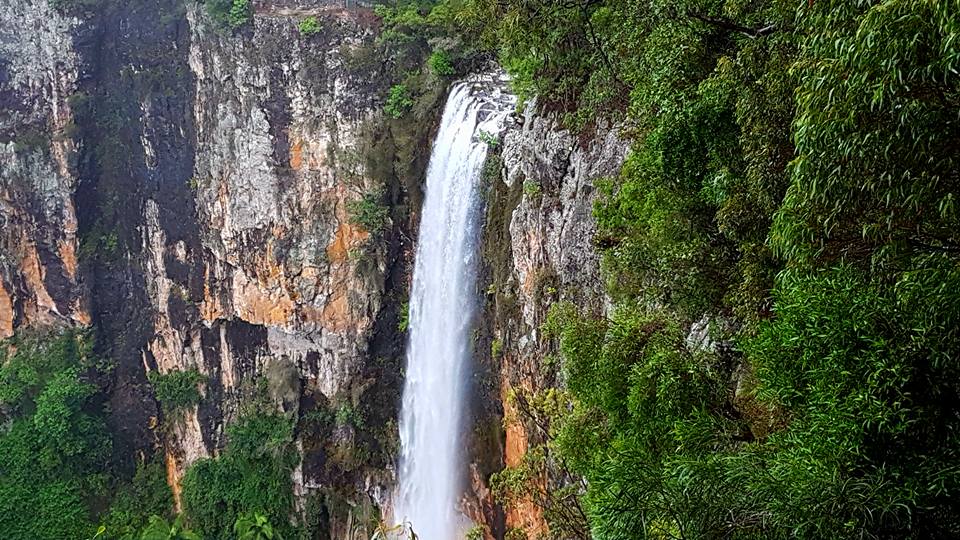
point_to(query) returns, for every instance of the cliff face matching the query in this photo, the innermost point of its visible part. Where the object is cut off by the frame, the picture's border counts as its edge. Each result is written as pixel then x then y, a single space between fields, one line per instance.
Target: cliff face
pixel 537 250
pixel 189 191
pixel 39 281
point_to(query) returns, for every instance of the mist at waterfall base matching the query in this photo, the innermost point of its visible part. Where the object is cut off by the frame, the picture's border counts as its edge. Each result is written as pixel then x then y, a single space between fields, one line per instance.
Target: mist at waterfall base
pixel 442 304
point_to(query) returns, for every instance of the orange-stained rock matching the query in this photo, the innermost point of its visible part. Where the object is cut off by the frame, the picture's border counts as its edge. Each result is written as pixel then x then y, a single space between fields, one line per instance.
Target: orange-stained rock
pixel 173 480
pixel 6 313
pixel 210 308
pixel 257 306
pixel 68 254
pixel 336 312
pixel 81 312
pixel 309 154
pixel 524 513
pixel 296 155
pixel 347 237
pixel 33 273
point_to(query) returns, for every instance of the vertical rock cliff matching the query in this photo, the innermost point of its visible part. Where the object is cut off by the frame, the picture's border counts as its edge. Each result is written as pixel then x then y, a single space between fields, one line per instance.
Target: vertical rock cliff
pixel 193 193
pixel 537 250
pixel 39 279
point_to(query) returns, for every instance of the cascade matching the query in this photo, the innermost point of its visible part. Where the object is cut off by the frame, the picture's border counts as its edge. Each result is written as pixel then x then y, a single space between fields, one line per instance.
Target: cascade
pixel 442 303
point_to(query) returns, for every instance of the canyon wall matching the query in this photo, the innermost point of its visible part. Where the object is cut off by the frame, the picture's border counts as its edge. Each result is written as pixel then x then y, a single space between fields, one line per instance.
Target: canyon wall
pixel 190 192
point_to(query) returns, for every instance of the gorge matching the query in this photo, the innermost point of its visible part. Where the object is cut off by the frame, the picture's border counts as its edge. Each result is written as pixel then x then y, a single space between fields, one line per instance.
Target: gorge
pixel 498 269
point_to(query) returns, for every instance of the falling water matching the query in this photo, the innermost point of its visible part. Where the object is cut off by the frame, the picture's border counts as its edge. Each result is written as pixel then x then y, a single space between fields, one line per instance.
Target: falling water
pixel 441 309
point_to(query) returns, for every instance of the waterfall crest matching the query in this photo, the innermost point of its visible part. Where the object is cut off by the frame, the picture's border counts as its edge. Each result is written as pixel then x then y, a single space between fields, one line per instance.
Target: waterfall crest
pixel 442 304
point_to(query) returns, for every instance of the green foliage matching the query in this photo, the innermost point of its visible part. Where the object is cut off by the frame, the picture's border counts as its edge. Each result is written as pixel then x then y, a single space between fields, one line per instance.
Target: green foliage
pixel 176 390
pixel 863 367
pixel 54 450
pixel 496 347
pixel 252 475
pixel 399 101
pixel 159 529
pixel 255 527
pixel 229 14
pixel 348 415
pixel 488 138
pixel 310 26
pixel 145 496
pixel 369 212
pixel 57 477
pixel 441 64
pixel 404 323
pixel 532 189
pixel 876 132
pixel 850 432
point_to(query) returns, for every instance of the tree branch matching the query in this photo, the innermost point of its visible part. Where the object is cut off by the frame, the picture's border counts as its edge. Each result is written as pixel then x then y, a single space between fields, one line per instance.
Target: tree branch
pixel 731 26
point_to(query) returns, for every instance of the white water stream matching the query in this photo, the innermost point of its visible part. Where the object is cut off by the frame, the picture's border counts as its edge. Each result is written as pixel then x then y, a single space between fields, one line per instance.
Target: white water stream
pixel 442 304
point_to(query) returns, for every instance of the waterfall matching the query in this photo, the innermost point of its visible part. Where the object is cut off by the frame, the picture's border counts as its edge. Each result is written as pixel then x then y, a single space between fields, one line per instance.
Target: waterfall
pixel 441 308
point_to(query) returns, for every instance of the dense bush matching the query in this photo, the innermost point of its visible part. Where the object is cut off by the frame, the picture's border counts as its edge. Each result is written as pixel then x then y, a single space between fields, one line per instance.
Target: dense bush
pixel 229 14
pixel 440 63
pixel 399 101
pixel 57 473
pixel 369 212
pixel 309 26
pixel 176 390
pixel 251 475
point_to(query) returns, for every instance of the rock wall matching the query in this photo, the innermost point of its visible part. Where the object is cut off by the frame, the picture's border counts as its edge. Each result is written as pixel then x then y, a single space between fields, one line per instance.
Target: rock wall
pixel 188 192
pixel 39 280
pixel 537 250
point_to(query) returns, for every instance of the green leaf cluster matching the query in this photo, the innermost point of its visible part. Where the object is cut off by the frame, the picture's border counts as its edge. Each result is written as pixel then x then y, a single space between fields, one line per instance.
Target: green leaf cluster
pixel 251 475
pixel 229 14
pixel 176 390
pixel 399 101
pixel 369 212
pixel 309 26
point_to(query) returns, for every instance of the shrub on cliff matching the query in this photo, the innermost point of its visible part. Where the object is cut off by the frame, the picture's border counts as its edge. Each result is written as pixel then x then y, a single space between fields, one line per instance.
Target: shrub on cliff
pixel 252 474
pixel 399 101
pixel 229 14
pixel 176 390
pixel 441 64
pixel 309 26
pixel 369 212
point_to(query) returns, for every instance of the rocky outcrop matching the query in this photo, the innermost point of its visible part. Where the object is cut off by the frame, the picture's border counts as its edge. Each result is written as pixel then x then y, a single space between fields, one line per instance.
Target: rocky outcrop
pixel 39 279
pixel 537 250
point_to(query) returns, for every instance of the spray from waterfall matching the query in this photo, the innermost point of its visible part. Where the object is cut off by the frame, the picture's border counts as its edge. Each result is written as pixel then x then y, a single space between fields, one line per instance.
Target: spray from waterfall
pixel 442 304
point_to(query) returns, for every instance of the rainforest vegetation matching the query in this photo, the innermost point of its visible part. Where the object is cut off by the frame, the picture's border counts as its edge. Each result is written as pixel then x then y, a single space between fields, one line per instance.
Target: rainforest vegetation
pixel 792 188
pixel 793 184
